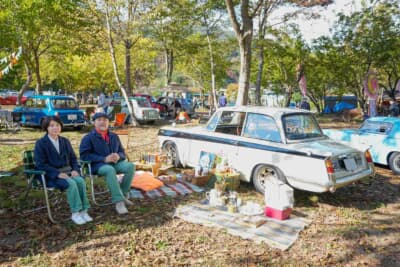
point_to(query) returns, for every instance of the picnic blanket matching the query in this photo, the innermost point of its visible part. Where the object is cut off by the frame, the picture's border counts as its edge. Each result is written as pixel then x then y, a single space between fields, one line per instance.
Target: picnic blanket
pixel 172 190
pixel 275 233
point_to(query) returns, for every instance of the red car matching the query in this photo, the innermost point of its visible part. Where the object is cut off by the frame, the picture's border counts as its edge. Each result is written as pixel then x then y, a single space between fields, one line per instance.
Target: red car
pixel 154 104
pixel 10 98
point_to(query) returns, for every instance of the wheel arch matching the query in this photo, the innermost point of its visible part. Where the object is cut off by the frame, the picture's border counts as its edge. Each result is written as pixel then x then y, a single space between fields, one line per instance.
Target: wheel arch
pixel 281 173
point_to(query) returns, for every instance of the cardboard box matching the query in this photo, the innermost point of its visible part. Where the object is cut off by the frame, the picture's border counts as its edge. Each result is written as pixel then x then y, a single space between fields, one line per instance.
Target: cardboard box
pixel 278 214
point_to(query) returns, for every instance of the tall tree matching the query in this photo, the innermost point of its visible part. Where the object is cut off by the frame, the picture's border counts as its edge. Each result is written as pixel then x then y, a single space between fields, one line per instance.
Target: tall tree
pixel 36 27
pixel 243 28
pixel 170 24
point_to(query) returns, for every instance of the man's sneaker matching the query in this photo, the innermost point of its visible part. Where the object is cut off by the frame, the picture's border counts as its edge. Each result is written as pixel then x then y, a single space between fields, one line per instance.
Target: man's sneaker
pixel 77 218
pixel 121 208
pixel 86 216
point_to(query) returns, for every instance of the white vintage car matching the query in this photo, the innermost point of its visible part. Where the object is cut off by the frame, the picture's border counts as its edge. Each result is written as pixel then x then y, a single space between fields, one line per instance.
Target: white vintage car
pixel 262 143
pixel 142 110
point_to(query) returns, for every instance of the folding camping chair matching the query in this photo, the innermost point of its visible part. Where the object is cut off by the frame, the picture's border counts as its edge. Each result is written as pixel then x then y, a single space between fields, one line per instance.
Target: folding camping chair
pixel 86 169
pixel 34 184
pixel 119 120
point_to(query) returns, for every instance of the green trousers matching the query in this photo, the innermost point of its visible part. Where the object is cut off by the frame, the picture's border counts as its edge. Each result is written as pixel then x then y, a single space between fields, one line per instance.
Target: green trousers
pixel 110 171
pixel 76 194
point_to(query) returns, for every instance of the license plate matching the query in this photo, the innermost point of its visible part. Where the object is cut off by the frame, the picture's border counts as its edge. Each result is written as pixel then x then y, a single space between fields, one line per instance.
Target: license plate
pixel 350 164
pixel 72 117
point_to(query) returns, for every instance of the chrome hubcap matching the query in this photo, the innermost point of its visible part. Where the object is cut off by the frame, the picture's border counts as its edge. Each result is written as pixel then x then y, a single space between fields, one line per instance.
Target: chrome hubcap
pixel 266 174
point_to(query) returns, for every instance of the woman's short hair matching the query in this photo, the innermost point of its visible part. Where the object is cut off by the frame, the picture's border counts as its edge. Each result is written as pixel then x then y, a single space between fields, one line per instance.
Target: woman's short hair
pixel 46 122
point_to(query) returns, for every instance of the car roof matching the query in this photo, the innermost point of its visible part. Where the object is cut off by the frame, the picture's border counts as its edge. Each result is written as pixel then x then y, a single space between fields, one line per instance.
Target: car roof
pixel 272 111
pixel 50 97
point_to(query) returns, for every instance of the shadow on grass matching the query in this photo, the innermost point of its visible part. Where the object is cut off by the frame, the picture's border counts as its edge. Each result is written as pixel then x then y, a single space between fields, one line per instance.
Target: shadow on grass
pixel 32 234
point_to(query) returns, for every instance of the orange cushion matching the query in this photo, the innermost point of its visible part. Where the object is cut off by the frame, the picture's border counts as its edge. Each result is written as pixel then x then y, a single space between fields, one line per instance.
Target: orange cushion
pixel 145 181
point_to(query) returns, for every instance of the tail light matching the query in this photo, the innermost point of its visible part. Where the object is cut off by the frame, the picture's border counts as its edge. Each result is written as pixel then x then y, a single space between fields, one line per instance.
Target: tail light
pixel 329 166
pixel 368 156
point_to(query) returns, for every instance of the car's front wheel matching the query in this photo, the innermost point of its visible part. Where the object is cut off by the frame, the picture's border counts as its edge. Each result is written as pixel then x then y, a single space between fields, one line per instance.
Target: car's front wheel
pixel 264 173
pixel 169 148
pixel 394 162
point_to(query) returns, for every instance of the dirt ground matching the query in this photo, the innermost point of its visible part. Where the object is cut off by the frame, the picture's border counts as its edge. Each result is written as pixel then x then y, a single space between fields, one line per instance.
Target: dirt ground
pixel 358 225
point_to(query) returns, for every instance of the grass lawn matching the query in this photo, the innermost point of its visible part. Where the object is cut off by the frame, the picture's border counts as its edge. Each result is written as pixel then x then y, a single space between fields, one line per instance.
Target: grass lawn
pixel 357 225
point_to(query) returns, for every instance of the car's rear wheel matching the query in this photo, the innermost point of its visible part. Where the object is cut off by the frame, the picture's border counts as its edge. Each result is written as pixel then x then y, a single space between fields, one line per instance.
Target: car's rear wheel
pixel 264 173
pixel 394 162
pixel 169 149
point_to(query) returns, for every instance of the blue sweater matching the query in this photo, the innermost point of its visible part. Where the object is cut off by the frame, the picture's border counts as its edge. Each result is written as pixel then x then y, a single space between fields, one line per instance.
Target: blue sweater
pixel 95 149
pixel 49 160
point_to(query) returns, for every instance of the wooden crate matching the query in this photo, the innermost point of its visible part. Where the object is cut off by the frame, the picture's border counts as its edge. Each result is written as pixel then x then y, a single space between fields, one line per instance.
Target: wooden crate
pixel 231 180
pixel 200 180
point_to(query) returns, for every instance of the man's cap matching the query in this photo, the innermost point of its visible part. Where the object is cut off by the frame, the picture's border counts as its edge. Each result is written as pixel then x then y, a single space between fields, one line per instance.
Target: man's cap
pixel 99 115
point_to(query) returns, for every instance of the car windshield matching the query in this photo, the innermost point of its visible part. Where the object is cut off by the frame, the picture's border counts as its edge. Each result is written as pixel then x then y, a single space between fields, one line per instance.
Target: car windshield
pixel 143 102
pixel 63 103
pixel 376 127
pixel 301 126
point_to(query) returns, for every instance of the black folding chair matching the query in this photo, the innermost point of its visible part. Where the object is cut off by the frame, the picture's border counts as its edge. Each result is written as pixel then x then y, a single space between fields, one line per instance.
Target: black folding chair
pixel 34 183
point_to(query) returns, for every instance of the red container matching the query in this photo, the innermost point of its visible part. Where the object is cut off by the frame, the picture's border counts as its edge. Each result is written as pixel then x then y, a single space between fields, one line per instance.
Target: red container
pixel 277 214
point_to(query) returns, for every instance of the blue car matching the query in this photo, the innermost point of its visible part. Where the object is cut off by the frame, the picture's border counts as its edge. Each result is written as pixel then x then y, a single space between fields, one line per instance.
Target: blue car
pixel 380 134
pixel 37 107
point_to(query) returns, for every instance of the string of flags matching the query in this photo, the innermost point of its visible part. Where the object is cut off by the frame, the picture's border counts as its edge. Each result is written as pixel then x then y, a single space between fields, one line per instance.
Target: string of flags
pixel 10 60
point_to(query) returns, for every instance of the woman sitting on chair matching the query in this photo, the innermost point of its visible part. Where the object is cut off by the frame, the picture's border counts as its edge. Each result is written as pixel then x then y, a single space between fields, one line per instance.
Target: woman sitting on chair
pixel 55 155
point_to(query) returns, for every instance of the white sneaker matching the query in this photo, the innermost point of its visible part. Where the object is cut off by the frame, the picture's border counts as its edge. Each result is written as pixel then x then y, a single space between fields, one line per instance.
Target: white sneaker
pixel 86 216
pixel 121 208
pixel 77 218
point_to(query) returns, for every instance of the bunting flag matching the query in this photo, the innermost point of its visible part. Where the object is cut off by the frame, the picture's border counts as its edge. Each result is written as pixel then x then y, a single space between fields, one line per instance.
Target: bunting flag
pixel 303 85
pixel 371 85
pixel 301 79
pixel 10 60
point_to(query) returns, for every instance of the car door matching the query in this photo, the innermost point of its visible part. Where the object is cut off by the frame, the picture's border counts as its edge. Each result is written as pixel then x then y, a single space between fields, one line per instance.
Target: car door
pixel 374 135
pixel 220 137
pixel 27 117
pixel 39 111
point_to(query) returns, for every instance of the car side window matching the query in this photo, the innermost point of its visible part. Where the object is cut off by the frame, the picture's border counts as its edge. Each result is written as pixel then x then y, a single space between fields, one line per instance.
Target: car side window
pixel 40 103
pixel 29 103
pixel 231 122
pixel 262 127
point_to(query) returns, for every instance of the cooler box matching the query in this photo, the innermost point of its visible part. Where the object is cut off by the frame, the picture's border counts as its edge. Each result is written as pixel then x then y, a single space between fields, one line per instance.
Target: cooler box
pixel 277 214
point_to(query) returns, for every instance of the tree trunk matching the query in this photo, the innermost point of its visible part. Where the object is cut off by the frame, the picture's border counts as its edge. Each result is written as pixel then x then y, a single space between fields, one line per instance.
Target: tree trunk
pixel 289 92
pixel 37 72
pixel 115 66
pixel 212 65
pixel 25 86
pixel 169 63
pixel 244 75
pixel 259 74
pixel 128 80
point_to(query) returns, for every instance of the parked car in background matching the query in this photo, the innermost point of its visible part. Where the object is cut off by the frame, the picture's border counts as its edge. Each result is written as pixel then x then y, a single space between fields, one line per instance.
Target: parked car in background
pixel 168 102
pixel 37 107
pixel 10 98
pixel 142 110
pixel 380 134
pixel 264 143
pixel 163 109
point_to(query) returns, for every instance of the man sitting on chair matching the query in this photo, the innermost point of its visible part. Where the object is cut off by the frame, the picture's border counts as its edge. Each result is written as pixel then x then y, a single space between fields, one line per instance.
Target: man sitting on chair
pixel 104 150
